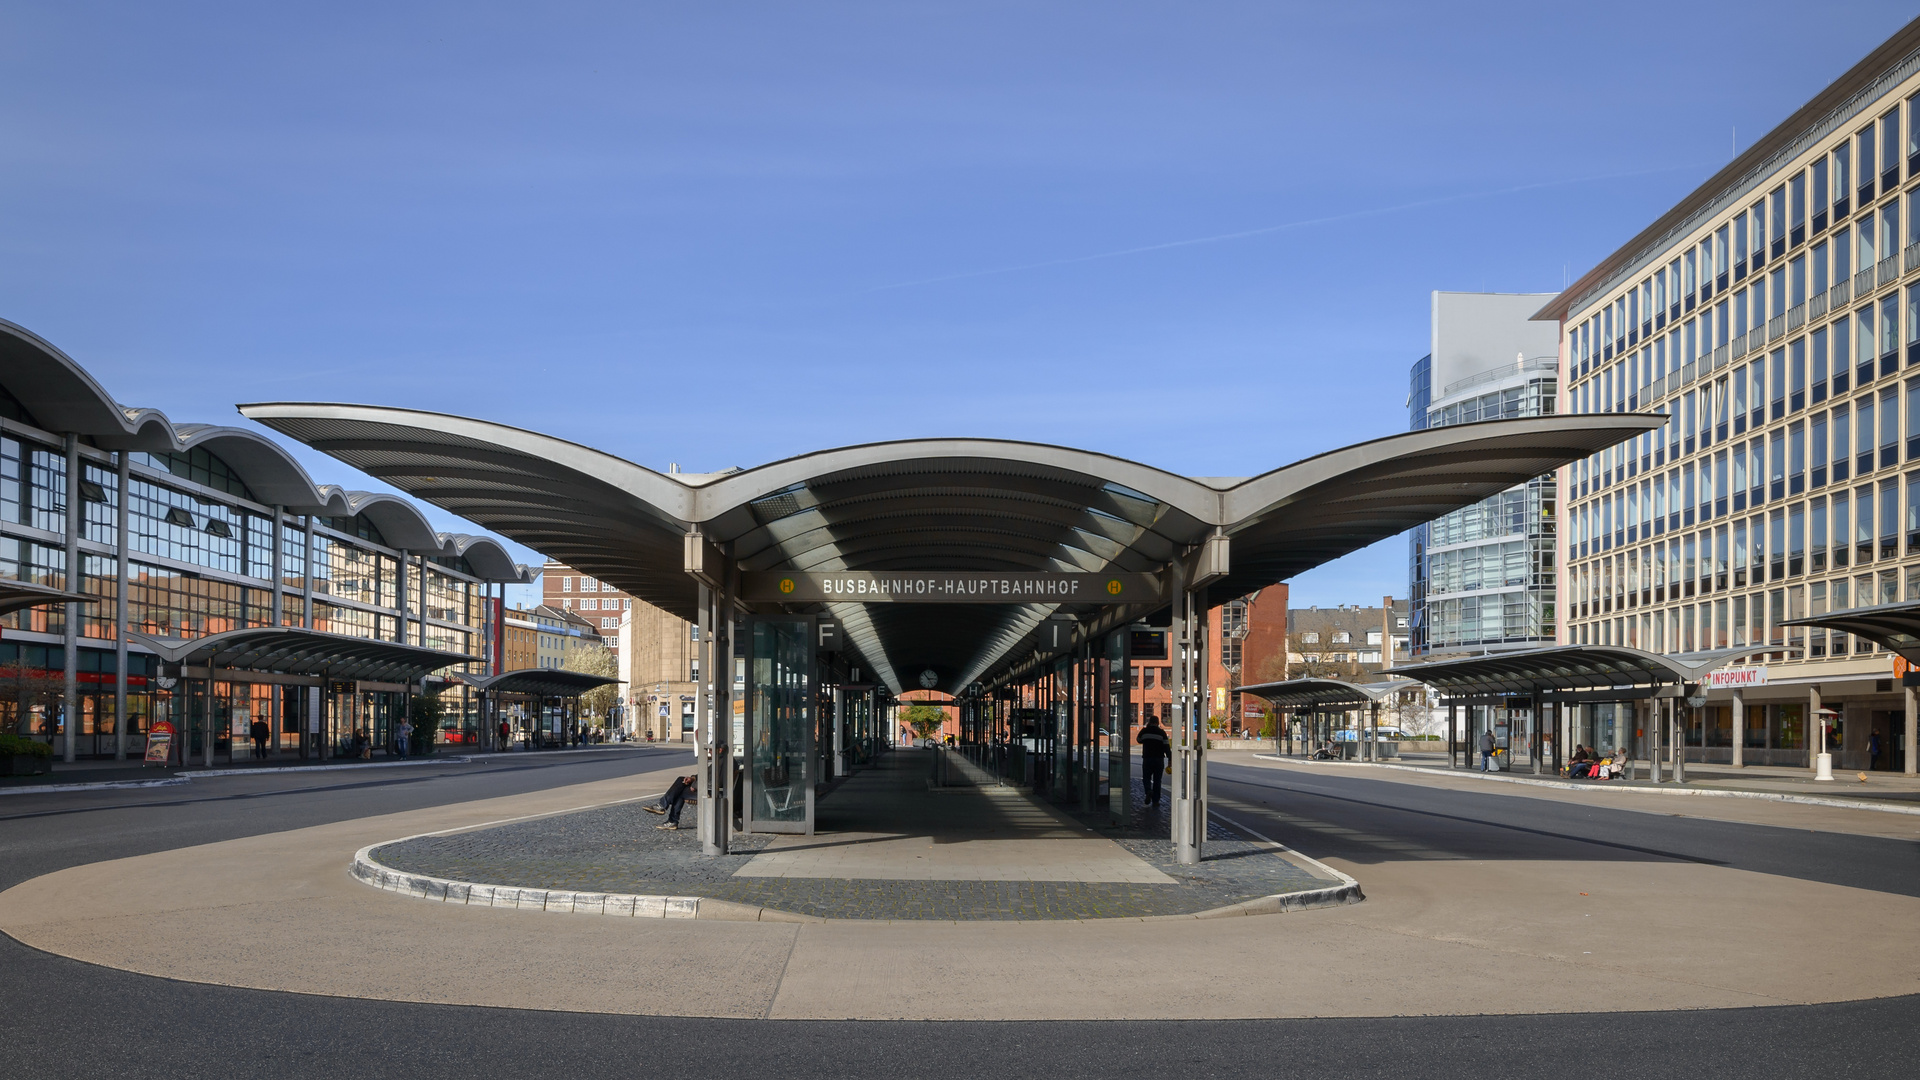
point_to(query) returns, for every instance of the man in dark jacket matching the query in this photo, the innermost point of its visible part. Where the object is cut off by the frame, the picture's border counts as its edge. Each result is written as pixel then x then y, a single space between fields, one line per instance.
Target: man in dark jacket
pixel 1155 748
pixel 1486 750
pixel 260 734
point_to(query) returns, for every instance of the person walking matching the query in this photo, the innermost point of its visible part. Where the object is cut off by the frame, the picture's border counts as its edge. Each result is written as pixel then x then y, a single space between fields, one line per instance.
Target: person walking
pixel 1155 749
pixel 259 732
pixel 674 801
pixel 1486 750
pixel 403 740
pixel 1873 749
pixel 506 736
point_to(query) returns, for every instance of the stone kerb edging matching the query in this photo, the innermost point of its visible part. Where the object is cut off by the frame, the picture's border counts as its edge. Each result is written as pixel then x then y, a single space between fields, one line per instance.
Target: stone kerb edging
pixel 1347 892
pixel 627 905
pixel 371 871
pixel 1562 785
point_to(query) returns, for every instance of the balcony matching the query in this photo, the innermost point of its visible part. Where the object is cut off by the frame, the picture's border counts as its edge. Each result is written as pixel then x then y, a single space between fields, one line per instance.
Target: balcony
pixel 1912 258
pixel 1863 282
pixel 1838 296
pixel 1776 328
pixel 1797 317
pixel 1817 306
pixel 1531 364
pixel 1889 270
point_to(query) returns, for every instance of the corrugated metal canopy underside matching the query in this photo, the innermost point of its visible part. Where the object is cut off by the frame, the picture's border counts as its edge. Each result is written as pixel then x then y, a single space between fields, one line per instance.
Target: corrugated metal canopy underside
pixel 290 650
pixel 542 682
pixel 1895 626
pixel 934 504
pixel 1325 693
pixel 1568 669
pixel 18 595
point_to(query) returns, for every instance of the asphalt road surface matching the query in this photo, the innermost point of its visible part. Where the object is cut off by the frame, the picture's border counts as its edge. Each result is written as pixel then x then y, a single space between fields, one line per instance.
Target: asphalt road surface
pixel 69 1019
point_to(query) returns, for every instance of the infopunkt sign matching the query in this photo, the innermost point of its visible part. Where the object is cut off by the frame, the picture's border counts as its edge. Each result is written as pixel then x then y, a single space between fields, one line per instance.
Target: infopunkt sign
pixel 1734 678
pixel 941 587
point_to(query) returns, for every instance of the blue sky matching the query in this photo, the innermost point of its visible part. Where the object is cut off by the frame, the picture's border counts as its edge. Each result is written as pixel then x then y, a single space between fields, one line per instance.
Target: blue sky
pixel 1197 235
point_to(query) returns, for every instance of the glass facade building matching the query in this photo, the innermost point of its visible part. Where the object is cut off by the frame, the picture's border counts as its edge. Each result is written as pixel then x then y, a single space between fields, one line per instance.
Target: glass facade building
pixel 1482 578
pixel 175 542
pixel 1774 318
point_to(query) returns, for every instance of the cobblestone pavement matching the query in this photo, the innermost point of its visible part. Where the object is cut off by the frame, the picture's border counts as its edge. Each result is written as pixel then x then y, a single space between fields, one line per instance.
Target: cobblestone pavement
pixel 617 849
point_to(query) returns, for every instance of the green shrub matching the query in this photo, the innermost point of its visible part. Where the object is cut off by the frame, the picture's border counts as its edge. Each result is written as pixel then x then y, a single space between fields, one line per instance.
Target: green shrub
pixel 15 744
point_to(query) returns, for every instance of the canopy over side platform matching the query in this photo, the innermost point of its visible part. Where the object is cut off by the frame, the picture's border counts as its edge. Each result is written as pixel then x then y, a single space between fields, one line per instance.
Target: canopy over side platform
pixel 1326 693
pixel 291 650
pixel 1895 626
pixel 540 682
pixel 20 595
pixel 1571 669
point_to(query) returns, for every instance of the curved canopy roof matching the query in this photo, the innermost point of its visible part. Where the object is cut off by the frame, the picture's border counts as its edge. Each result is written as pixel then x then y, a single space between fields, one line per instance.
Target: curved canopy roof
pixel 1896 626
pixel 1326 693
pixel 17 595
pixel 292 650
pixel 544 682
pixel 934 504
pixel 61 397
pixel 1570 668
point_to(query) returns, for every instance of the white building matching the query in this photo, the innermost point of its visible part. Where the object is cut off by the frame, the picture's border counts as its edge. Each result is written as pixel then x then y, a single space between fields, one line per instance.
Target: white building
pixel 1774 315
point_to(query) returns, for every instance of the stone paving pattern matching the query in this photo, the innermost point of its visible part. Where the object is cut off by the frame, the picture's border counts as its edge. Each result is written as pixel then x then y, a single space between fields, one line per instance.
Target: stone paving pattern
pixel 617 849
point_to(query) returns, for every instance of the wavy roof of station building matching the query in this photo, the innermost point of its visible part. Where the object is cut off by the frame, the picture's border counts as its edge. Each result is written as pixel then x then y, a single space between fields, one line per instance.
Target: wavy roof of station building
pixel 62 397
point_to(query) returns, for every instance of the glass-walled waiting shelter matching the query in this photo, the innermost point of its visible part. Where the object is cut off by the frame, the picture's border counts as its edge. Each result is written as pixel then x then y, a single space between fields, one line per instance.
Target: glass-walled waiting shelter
pixel 540 706
pixel 188 530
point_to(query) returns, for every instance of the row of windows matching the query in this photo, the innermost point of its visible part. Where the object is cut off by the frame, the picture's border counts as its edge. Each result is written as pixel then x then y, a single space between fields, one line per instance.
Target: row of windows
pixel 1806 537
pixel 1487 620
pixel 1337 637
pixel 610 604
pixel 1821 192
pixel 1757 618
pixel 1514 563
pixel 185 528
pixel 1526 510
pixel 1536 398
pixel 1749 473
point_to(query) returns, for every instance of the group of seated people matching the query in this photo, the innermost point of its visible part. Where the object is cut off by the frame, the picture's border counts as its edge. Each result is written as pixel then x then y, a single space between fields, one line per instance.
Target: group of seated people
pixel 1587 764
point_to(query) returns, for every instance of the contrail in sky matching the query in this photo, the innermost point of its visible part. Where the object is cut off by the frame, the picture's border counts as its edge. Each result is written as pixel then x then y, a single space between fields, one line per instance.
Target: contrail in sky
pixel 1301 224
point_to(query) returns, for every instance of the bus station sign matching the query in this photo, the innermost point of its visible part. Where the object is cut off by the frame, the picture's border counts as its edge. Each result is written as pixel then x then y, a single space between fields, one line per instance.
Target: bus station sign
pixel 948 587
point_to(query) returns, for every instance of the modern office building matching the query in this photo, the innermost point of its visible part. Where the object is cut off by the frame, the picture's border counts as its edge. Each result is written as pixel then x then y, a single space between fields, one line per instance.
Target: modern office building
pixel 184 531
pixel 1482 579
pixel 1773 315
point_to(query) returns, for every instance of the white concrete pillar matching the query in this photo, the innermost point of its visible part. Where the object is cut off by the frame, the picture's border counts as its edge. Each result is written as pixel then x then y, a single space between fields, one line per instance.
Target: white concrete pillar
pixel 1739 707
pixel 1814 731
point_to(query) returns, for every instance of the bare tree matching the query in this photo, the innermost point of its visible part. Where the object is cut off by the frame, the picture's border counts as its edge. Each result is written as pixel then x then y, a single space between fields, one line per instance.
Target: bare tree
pixel 594 660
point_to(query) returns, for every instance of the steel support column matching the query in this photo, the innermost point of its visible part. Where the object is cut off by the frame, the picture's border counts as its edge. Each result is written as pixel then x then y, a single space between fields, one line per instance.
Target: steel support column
pixel 123 474
pixel 75 582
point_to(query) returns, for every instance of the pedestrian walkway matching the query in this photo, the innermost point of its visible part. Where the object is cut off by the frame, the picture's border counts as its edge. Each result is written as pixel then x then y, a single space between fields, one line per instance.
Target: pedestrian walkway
pixel 1754 779
pixel 65 774
pixel 1481 935
pixel 888 846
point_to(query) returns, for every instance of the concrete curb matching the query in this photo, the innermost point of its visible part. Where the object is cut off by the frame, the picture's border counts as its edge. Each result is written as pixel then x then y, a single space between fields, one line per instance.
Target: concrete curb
pixel 1767 796
pixel 1347 892
pixel 370 871
pixel 563 901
